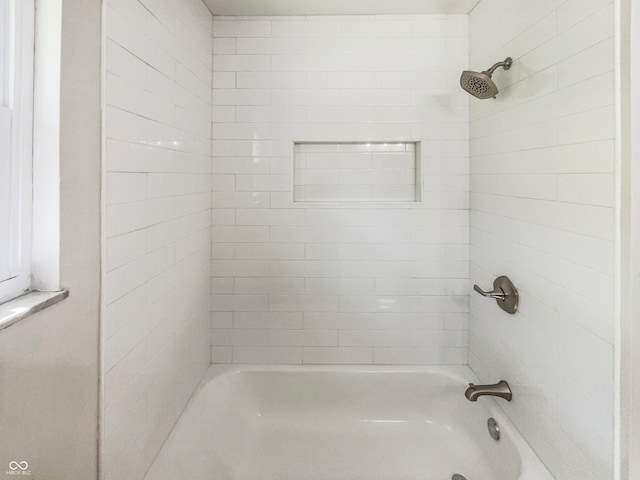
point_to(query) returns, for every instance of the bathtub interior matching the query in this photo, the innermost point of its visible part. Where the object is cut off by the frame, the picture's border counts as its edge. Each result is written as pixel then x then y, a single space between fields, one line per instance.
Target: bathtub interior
pixel 339 423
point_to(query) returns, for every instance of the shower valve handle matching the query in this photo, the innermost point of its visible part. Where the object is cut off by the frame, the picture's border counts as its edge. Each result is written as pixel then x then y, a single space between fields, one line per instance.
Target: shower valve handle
pixel 495 294
pixel 504 292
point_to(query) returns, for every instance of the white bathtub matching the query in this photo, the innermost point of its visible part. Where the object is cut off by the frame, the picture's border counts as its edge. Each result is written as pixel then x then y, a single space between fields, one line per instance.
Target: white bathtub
pixel 335 423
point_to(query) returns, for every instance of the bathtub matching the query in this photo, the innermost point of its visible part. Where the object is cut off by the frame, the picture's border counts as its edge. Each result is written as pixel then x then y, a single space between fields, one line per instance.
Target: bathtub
pixel 341 423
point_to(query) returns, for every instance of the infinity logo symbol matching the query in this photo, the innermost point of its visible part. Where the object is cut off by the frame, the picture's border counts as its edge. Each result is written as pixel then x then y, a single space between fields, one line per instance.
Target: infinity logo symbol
pixel 13 465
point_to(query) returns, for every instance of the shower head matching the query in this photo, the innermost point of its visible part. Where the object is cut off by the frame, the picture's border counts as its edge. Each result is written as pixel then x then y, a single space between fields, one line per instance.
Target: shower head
pixel 480 84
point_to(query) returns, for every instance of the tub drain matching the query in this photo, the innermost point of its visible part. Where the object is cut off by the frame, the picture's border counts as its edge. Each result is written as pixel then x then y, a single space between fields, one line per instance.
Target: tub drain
pixel 457 476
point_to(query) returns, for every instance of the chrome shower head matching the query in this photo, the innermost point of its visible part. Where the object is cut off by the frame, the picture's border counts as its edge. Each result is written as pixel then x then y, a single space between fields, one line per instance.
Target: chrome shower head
pixel 480 84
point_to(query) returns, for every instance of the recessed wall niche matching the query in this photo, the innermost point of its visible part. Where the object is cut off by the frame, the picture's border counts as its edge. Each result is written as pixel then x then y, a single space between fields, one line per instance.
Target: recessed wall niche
pixel 376 172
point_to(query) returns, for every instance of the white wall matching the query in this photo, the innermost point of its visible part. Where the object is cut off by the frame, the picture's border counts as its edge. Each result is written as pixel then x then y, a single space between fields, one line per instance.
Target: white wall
pixel 542 201
pixel 158 235
pixel 49 361
pixel 343 282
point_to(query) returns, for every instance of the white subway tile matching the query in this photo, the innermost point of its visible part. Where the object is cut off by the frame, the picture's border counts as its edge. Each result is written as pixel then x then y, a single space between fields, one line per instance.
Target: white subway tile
pixel 222 80
pixel 221 354
pixel 270 80
pixel 406 355
pixel 305 63
pixel 224 46
pixel 266 114
pixel 241 63
pixel 222 319
pixel 267 355
pixel 337 355
pixel 225 94
pixel 590 189
pixel 240 234
pixel 124 310
pixel 253 285
pixel 305 28
pixel 239 268
pixel 241 28
pixel 238 337
pixel 373 338
pixel 304 338
pixel 337 46
pixel 272 45
pixel 302 303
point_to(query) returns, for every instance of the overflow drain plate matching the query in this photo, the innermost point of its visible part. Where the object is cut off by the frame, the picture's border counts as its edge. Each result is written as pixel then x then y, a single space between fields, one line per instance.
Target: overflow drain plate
pixel 494 429
pixel 457 476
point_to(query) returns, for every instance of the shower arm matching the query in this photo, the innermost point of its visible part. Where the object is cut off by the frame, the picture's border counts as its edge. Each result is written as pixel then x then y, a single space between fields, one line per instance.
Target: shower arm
pixel 506 65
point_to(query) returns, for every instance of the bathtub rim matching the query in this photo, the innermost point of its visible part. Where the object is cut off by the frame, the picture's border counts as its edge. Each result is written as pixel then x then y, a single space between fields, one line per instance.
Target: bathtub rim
pixel 532 467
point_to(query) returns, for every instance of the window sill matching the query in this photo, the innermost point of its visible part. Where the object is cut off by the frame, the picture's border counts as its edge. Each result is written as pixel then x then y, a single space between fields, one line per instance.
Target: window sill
pixel 13 311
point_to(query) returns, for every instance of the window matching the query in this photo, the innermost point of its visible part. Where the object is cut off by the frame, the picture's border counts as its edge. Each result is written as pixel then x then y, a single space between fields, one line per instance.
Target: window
pixel 16 133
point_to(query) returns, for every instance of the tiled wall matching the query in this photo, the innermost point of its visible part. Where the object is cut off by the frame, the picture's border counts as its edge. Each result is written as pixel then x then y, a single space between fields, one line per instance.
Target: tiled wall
pixel 158 223
pixel 346 282
pixel 542 212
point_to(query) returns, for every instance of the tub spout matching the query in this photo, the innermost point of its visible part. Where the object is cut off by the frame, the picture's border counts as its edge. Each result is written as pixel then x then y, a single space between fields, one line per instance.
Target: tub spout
pixel 500 389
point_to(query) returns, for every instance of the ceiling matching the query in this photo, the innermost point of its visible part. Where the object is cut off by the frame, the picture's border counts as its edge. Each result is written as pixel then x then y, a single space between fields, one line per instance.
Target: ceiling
pixel 337 7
